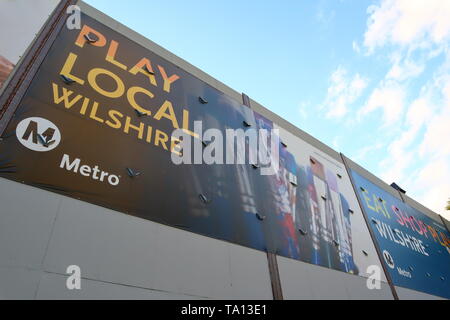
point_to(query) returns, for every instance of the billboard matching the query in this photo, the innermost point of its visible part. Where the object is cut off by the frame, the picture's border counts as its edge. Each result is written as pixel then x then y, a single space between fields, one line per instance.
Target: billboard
pixel 415 248
pixel 325 210
pixel 20 21
pixel 96 124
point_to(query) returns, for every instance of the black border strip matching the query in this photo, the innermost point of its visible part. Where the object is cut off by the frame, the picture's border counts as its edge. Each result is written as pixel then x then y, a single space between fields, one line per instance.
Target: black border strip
pixel 372 235
pixel 246 100
pixel 272 261
pixel 444 223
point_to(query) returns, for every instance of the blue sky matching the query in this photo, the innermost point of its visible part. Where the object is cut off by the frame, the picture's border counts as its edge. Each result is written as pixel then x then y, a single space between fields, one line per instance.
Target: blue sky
pixel 369 78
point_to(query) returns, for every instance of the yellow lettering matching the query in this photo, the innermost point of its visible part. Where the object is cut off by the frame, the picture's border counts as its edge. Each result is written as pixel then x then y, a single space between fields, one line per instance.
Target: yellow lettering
pixel 175 143
pixel 167 106
pixel 167 80
pixel 68 66
pixel 113 114
pixel 139 68
pixel 129 126
pixel 186 124
pixel 149 134
pixel 367 199
pixel 81 40
pixel 385 209
pixel 111 55
pixel 84 106
pixel 131 99
pixel 92 78
pixel 93 114
pixel 64 97
pixel 162 138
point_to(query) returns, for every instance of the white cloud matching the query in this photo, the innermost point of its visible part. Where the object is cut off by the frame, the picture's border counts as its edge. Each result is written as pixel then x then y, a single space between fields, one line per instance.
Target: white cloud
pixel 356 47
pixel 343 92
pixel 419 112
pixel 407 22
pixel 430 182
pixel 303 109
pixel 413 96
pixel 411 32
pixel 367 150
pixel 406 69
pixel 434 178
pixel 437 137
pixel 437 118
pixel 389 96
pixel 400 156
pixel 336 143
pixel 402 150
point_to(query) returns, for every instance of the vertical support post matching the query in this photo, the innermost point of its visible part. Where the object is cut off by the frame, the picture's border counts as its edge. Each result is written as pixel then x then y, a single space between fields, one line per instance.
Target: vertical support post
pixel 246 100
pixel 274 276
pixel 18 84
pixel 443 222
pixel 401 196
pixel 372 235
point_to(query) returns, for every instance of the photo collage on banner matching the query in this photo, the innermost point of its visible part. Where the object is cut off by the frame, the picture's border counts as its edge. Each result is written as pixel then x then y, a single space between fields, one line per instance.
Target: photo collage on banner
pixel 324 208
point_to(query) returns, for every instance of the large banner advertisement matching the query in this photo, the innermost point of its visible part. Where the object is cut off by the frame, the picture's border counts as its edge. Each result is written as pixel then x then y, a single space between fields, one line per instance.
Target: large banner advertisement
pixel 20 21
pixel 97 124
pixel 324 207
pixel 415 248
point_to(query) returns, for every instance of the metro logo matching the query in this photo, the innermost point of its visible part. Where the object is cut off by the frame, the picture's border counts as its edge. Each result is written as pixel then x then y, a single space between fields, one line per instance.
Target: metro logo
pixel 38 134
pixel 388 259
pixel 94 172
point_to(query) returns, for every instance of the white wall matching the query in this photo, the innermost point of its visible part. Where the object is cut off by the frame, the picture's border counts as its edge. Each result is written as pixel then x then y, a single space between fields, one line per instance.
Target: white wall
pixel 20 20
